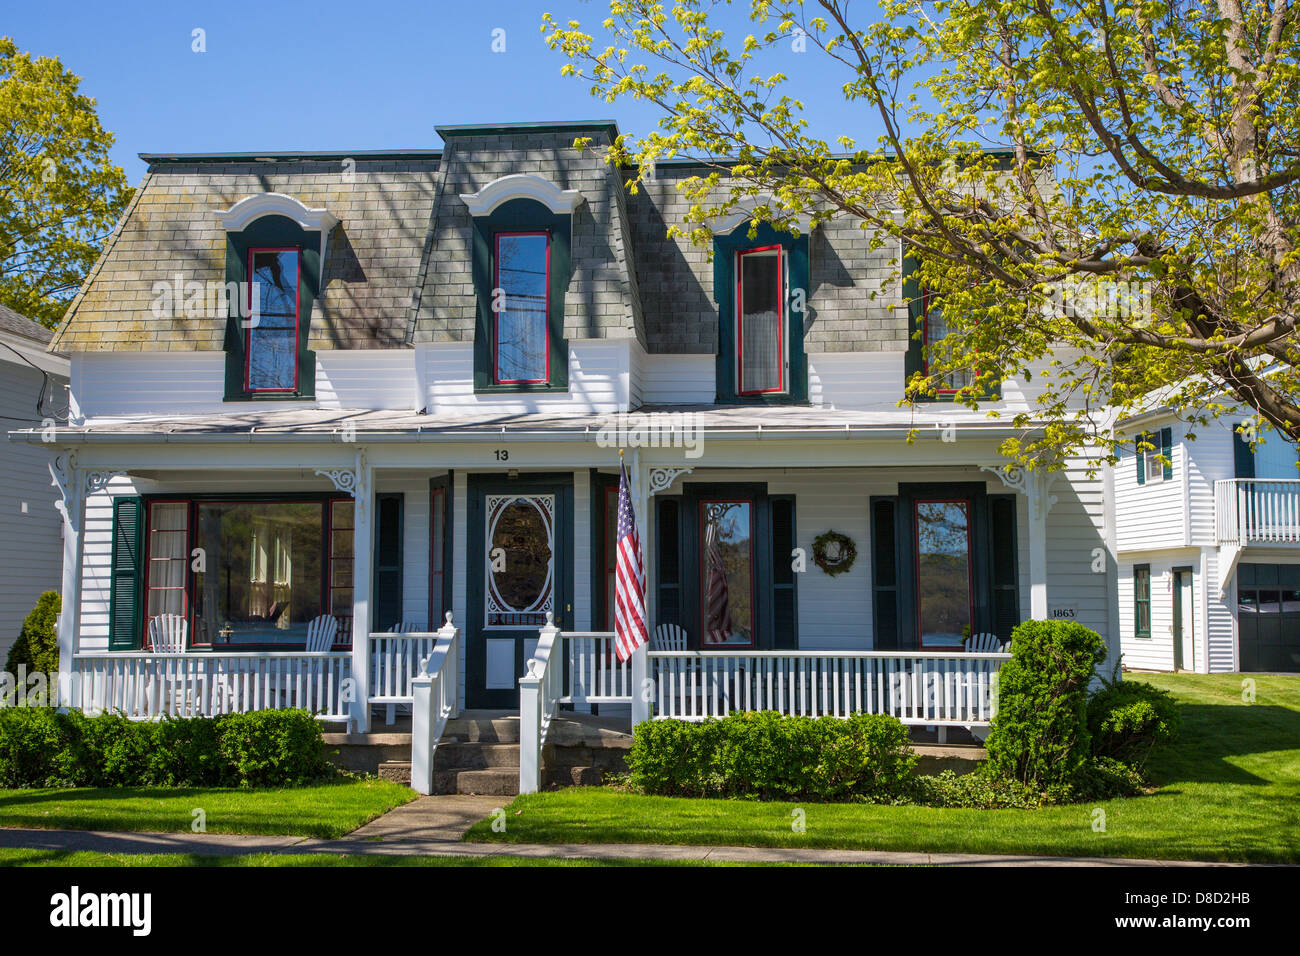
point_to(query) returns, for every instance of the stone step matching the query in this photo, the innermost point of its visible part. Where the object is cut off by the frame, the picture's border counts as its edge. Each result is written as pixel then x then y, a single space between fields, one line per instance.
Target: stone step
pixel 574 777
pixel 496 781
pixel 454 755
pixel 493 730
pixel 398 771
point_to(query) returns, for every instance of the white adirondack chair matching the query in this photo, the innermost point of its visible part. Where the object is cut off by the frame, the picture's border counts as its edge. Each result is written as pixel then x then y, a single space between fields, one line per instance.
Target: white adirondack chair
pixel 167 634
pixel 402 627
pixel 668 637
pixel 984 643
pixel 320 634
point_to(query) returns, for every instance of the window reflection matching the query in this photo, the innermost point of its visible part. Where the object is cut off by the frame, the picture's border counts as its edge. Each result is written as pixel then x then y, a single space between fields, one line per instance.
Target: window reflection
pixel 273 335
pixel 727 582
pixel 521 304
pixel 943 572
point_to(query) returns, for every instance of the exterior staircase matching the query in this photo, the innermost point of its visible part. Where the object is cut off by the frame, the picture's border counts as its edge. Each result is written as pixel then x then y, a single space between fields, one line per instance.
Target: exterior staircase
pixel 479 753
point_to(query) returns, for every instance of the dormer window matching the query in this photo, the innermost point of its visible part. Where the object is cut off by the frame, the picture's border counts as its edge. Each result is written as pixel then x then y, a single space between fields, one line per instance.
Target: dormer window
pixel 275 279
pixel 760 317
pixel 762 289
pixel 521 266
pixel 934 329
pixel 275 251
pixel 521 307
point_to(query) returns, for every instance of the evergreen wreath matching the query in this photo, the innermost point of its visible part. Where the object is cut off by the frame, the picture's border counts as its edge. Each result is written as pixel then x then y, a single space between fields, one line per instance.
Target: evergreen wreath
pixel 846 552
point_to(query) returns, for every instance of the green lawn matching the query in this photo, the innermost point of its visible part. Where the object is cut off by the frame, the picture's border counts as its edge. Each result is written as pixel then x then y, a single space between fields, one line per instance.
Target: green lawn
pixel 83 859
pixel 328 810
pixel 1229 789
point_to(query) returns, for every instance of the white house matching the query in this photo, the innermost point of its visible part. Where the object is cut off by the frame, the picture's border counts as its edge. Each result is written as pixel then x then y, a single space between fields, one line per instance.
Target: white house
pixel 1209 547
pixel 33 389
pixel 452 347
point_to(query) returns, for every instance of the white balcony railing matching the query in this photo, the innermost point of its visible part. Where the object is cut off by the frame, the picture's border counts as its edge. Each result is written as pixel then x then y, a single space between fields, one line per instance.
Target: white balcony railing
pixel 147 685
pixel 1257 511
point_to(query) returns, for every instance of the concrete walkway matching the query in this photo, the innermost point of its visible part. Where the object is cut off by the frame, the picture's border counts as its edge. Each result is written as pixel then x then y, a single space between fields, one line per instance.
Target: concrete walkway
pixel 433 826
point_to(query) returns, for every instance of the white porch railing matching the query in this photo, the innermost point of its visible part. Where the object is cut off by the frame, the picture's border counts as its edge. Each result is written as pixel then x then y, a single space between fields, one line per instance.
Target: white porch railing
pixel 435 694
pixel 395 663
pixel 1257 511
pixel 540 692
pixel 146 686
pixel 596 675
pixel 918 687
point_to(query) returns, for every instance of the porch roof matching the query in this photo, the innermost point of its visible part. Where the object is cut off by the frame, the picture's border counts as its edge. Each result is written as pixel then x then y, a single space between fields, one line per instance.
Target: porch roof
pixel 317 424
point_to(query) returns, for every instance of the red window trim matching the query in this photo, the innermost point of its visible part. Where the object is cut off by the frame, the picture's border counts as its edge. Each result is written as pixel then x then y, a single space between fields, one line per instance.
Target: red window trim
pixel 753 594
pixel 148 567
pixel 327 598
pixel 297 318
pixel 970 565
pixel 780 321
pixel 496 284
pixel 327 529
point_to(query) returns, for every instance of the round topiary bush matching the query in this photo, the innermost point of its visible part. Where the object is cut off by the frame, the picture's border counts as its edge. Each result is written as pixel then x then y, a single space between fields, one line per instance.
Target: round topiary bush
pixel 1040 732
pixel 1128 719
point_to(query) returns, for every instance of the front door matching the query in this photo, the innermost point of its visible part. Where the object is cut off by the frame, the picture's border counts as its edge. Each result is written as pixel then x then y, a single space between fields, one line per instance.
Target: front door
pixel 1184 653
pixel 520 552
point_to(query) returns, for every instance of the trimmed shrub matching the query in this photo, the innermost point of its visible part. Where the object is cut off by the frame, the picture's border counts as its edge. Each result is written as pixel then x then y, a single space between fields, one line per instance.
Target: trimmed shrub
pixel 273 748
pixel 37 646
pixel 765 755
pixel 1128 719
pixel 40 747
pixel 980 790
pixel 1040 734
pixel 1101 778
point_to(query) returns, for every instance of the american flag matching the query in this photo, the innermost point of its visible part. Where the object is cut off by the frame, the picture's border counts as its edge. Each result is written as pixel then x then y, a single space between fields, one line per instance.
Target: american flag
pixel 630 631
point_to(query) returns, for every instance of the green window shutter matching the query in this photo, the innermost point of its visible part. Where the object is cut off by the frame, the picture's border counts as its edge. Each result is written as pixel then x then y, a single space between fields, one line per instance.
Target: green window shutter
pixel 1166 449
pixel 1004 576
pixel 668 557
pixel 1243 458
pixel 785 604
pixel 125 581
pixel 914 361
pixel 885 599
pixel 387 604
pixel 1141 459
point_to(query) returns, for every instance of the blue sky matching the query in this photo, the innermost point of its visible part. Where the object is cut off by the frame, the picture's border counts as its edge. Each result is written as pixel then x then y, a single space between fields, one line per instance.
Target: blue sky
pixel 344 75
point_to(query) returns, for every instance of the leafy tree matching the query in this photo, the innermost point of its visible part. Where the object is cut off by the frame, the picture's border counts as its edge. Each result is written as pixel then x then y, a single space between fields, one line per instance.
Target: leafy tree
pixel 59 193
pixel 1102 193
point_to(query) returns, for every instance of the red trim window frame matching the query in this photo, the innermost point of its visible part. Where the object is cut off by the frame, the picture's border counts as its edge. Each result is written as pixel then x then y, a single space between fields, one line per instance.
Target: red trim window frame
pixel 780 320
pixel 926 296
pixel 437 557
pixel 970 566
pixel 297 318
pixel 496 332
pixel 703 579
pixel 185 585
pixel 191 519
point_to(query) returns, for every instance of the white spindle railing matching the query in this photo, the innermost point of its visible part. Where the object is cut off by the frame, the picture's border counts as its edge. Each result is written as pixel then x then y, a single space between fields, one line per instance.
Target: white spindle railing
pixel 147 686
pixel 1254 510
pixel 596 675
pixel 540 692
pixel 394 663
pixel 917 687
pixel 435 699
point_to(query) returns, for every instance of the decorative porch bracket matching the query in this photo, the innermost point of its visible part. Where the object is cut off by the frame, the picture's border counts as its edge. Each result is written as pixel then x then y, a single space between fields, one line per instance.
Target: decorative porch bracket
pixel 661 479
pixel 1036 486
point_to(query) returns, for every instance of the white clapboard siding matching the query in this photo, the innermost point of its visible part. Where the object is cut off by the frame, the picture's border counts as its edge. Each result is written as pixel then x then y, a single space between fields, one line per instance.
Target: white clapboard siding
pixel 1077 556
pixel 1209 459
pixel 678 379
pixel 117 385
pixel 1221 642
pixel 31 558
pixel 1152 515
pixel 599 375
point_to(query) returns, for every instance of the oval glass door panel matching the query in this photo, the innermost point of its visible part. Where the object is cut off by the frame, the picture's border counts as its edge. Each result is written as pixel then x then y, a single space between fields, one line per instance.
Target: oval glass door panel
pixel 520 560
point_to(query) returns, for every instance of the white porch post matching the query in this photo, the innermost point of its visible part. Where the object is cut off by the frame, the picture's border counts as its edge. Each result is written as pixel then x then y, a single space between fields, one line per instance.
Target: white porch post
pixel 69 480
pixel 363 546
pixel 1037 501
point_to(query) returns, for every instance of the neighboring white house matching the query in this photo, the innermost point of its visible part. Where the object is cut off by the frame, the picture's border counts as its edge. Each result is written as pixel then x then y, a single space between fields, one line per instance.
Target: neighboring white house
pixel 30 537
pixel 452 347
pixel 1209 547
